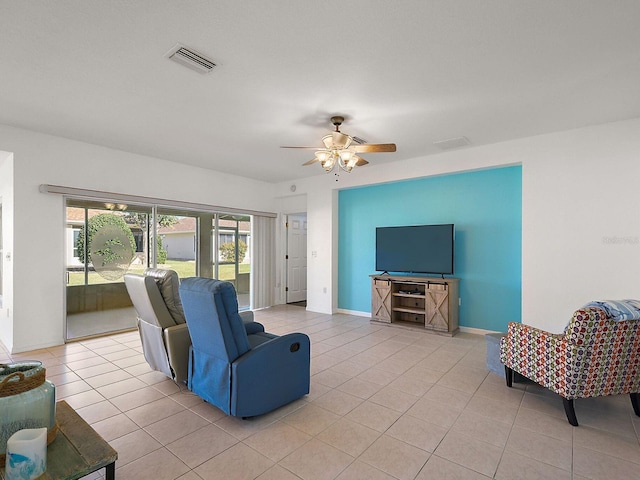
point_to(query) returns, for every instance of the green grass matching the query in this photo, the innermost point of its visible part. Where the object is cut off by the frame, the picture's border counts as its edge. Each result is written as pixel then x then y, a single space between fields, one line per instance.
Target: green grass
pixel 184 268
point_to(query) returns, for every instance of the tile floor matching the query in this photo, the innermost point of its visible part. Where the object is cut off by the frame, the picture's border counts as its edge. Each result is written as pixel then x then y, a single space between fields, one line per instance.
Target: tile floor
pixel 386 403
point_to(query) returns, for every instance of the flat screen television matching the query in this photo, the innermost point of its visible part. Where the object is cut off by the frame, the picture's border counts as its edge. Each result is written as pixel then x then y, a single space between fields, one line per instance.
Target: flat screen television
pixel 415 249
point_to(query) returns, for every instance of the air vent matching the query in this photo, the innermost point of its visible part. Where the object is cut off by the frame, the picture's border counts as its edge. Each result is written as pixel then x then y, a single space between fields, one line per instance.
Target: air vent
pixel 190 58
pixel 452 143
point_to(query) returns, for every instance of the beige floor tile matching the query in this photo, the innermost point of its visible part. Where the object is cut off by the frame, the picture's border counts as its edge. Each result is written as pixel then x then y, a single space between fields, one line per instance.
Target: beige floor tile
pixel 196 448
pixel 416 432
pixel 365 376
pixel 421 371
pixel 461 381
pixel 411 385
pixel 517 467
pixel 134 445
pixel 136 398
pixel 186 398
pixel 606 415
pixel 108 378
pixel 598 466
pixel 447 396
pixel 438 468
pixel 626 448
pixel 434 412
pixel 137 369
pixel 479 456
pixel 482 428
pixel 377 376
pixel 190 475
pixel 97 411
pixel 316 460
pixel 362 471
pixel 394 399
pixel 311 419
pixel 277 473
pixel 337 402
pixel 130 361
pixel 539 422
pixel 88 362
pixel 115 427
pixel 394 457
pixel 373 416
pixel 350 437
pixel 120 388
pixel 62 378
pixel 68 389
pixel 349 368
pixel 158 465
pixel 167 386
pixel 129 352
pixel 154 411
pixel 102 349
pixel 494 409
pixel 359 388
pixel 238 462
pixel 329 378
pixel 242 429
pixel 83 399
pixel 176 426
pixel 540 447
pixel 277 440
pixel 542 400
pixel 208 411
pixel 153 377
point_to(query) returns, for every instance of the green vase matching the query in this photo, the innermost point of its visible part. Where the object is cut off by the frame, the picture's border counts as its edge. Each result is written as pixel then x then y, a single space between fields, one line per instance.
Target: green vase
pixel 27 400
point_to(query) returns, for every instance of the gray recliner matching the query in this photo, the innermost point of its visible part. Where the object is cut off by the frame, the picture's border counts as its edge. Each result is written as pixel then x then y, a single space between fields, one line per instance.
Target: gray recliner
pixel 161 323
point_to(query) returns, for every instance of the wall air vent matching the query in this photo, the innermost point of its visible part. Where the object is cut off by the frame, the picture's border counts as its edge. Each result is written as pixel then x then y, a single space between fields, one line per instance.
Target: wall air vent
pixel 190 58
pixel 452 143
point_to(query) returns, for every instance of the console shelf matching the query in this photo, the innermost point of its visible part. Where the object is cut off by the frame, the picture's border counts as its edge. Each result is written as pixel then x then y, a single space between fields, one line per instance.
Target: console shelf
pixel 431 303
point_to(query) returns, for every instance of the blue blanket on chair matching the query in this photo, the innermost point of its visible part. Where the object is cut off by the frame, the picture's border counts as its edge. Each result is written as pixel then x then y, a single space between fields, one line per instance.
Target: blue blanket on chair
pixel 618 310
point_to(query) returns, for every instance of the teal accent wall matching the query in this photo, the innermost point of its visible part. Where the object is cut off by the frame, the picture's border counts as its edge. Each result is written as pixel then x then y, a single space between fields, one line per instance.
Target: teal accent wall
pixel 486 208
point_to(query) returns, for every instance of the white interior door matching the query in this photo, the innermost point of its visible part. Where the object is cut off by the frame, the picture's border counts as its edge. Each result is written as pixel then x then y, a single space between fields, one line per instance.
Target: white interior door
pixel 296 287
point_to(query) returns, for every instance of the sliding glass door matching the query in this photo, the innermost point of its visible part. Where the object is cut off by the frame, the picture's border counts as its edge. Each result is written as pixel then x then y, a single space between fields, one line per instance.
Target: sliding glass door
pixel 104 241
pixel 231 237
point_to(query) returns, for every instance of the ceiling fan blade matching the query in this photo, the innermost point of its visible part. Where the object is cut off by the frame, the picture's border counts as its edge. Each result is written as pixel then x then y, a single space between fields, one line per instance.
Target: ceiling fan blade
pixel 304 148
pixel 375 147
pixel 309 162
pixel 361 162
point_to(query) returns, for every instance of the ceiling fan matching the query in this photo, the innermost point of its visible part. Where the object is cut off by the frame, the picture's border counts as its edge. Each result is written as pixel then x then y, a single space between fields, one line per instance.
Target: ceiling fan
pixel 341 149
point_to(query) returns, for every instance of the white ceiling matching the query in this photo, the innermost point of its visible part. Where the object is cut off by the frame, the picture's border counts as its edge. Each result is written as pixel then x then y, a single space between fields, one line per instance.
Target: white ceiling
pixel 409 72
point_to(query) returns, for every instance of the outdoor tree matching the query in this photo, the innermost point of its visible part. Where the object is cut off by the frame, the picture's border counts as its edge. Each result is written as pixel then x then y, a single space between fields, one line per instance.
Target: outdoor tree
pixel 141 220
pixel 228 251
pixel 98 223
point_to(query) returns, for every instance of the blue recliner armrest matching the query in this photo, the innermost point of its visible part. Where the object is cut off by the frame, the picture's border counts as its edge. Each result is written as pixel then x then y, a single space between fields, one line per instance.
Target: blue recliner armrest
pixel 249 325
pixel 270 375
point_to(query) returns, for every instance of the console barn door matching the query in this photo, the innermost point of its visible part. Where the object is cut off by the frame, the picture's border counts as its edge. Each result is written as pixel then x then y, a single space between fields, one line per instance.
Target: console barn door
pixel 296 287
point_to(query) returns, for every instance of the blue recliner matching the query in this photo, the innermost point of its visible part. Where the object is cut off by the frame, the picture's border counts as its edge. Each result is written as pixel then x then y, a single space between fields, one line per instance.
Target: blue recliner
pixel 242 374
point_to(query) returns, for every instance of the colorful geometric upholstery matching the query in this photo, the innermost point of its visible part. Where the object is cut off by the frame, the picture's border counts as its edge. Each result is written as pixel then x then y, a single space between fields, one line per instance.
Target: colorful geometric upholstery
pixel 596 356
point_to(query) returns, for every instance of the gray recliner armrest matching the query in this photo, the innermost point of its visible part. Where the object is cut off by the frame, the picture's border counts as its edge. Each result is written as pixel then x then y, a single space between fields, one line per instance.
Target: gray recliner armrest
pixel 178 341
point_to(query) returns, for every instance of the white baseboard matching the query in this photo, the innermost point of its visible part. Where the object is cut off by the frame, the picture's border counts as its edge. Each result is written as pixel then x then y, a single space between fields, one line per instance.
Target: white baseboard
pixel 354 312
pixel 476 331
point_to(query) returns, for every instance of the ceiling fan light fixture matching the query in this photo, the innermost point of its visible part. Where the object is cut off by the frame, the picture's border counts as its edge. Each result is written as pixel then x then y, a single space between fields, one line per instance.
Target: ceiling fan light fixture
pixel 322 155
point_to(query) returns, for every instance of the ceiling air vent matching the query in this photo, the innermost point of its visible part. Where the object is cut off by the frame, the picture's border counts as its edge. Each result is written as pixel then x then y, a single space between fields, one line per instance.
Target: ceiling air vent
pixel 190 58
pixel 452 143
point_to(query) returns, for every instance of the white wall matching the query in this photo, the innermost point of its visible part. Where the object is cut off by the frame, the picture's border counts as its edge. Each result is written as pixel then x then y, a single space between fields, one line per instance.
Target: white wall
pixel 38 274
pixel 6 198
pixel 580 221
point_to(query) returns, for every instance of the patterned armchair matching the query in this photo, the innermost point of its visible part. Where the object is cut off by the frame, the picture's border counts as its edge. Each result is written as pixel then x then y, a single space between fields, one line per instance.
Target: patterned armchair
pixel 597 355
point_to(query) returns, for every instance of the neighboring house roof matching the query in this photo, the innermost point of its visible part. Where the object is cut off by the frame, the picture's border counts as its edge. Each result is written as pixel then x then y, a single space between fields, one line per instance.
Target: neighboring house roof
pixel 188 225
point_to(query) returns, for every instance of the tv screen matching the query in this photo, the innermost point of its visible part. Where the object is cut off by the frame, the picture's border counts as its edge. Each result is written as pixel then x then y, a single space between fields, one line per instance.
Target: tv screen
pixel 415 249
